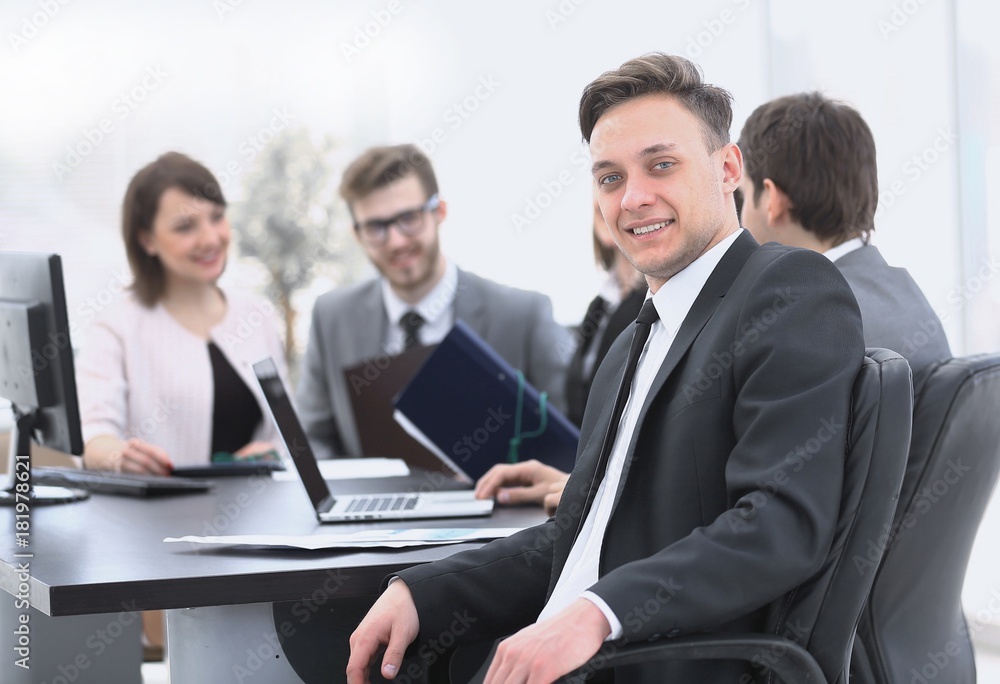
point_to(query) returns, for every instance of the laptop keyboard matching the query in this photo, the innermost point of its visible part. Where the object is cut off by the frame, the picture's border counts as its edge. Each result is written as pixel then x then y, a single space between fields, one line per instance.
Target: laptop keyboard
pixel 376 504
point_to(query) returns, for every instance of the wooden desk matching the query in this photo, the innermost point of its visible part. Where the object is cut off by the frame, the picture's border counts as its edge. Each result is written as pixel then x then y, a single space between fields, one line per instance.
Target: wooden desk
pixel 106 556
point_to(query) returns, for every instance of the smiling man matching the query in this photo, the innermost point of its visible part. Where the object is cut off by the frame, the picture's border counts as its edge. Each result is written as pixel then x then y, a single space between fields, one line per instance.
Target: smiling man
pixel 392 193
pixel 670 523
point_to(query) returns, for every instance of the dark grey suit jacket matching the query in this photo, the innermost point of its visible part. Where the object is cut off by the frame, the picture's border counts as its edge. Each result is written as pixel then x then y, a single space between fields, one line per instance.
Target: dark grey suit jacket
pixel 349 325
pixel 731 491
pixel 895 312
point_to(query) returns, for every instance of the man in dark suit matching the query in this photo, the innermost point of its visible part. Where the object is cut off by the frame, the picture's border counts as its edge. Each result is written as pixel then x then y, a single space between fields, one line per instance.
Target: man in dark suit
pixel 709 474
pixel 392 193
pixel 810 180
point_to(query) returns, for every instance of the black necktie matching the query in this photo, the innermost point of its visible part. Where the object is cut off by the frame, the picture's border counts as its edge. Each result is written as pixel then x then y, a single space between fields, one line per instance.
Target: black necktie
pixel 643 324
pixel 411 322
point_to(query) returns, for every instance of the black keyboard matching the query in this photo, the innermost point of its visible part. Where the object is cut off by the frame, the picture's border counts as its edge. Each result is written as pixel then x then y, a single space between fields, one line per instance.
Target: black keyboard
pixel 128 484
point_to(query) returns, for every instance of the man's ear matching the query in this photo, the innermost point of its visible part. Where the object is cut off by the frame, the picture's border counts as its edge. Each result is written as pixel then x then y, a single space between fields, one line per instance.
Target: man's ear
pixel 442 210
pixel 778 204
pixel 732 166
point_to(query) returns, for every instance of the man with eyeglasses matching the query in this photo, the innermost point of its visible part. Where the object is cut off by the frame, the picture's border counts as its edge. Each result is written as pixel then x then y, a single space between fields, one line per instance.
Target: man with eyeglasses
pixel 392 193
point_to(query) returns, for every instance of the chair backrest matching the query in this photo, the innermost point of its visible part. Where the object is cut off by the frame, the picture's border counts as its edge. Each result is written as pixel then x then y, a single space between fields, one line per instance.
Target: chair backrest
pixel 823 613
pixel 913 623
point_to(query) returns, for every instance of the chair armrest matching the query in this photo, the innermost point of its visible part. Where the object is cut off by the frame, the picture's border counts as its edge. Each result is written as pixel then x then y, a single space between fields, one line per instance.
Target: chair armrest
pixel 784 658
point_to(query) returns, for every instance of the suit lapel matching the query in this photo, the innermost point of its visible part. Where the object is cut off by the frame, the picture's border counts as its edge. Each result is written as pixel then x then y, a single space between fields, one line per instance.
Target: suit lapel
pixel 367 339
pixel 470 304
pixel 702 310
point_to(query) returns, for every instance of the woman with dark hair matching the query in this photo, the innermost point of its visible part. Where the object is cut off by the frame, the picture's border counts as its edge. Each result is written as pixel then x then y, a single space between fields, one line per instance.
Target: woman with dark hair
pixel 165 377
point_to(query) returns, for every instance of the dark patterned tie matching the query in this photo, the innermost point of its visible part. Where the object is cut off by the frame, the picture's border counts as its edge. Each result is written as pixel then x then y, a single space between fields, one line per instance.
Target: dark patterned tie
pixel 643 324
pixel 411 322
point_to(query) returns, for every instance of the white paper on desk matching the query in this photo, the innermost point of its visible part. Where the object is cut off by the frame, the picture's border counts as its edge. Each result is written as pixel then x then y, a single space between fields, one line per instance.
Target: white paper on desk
pixel 393 539
pixel 352 468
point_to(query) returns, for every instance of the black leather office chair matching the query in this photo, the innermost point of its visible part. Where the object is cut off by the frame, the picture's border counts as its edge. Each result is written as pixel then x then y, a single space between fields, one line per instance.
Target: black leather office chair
pixel 811 629
pixel 914 619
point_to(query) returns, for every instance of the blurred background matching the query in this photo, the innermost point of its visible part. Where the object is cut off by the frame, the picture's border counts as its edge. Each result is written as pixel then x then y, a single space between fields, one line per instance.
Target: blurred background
pixel 277 98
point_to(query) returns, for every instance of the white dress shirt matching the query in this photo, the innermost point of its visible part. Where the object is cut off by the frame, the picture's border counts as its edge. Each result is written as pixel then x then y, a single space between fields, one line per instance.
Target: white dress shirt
pixel 437 309
pixel 673 301
pixel 843 249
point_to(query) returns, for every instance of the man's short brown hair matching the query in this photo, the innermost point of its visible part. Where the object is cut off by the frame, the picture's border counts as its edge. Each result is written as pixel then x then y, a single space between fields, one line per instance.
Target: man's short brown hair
pixel 142 201
pixel 381 166
pixel 821 154
pixel 666 75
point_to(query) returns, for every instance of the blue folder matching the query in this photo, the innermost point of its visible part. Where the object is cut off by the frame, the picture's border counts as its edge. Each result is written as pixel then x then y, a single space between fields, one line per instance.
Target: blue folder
pixel 462 405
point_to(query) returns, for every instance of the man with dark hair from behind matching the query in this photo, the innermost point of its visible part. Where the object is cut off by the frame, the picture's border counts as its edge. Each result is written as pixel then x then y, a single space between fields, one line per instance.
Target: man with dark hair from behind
pixel 810 180
pixel 392 193
pixel 668 524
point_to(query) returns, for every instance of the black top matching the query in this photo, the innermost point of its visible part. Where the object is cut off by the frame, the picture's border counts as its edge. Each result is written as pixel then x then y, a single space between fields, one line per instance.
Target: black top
pixel 590 333
pixel 235 413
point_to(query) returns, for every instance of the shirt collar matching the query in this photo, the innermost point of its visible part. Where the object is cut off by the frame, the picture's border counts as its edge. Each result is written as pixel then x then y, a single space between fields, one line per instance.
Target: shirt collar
pixel 844 248
pixel 675 298
pixel 434 304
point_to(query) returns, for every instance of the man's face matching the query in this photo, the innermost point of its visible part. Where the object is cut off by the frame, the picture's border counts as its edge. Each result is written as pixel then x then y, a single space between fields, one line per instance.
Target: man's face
pixel 754 215
pixel 666 198
pixel 411 263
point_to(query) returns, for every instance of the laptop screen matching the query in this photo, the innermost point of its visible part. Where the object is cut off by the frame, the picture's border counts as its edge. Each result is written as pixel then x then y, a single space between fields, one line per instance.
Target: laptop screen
pixel 291 431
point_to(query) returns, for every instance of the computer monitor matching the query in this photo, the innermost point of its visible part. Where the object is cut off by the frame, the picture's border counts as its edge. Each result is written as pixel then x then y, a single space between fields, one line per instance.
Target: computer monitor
pixel 36 371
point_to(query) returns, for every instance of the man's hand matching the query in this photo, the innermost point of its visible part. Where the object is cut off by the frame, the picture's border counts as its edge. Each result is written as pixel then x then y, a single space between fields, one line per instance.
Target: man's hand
pixel 547 650
pixel 529 482
pixel 391 621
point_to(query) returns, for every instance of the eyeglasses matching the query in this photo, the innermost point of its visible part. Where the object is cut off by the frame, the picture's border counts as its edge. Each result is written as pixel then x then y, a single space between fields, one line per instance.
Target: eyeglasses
pixel 409 223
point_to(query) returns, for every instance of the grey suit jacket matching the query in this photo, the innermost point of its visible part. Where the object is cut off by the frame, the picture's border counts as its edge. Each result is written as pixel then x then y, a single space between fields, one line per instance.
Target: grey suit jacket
pixel 895 312
pixel 350 324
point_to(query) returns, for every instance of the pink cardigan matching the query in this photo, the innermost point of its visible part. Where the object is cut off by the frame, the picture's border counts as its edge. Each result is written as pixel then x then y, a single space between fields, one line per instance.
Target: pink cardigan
pixel 141 374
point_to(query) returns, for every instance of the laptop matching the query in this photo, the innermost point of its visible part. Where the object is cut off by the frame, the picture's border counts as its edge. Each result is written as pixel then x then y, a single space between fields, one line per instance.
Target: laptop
pixel 353 507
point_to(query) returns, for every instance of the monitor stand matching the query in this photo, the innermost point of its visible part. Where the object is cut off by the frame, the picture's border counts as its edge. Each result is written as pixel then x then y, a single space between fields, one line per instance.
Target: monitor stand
pixel 18 488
